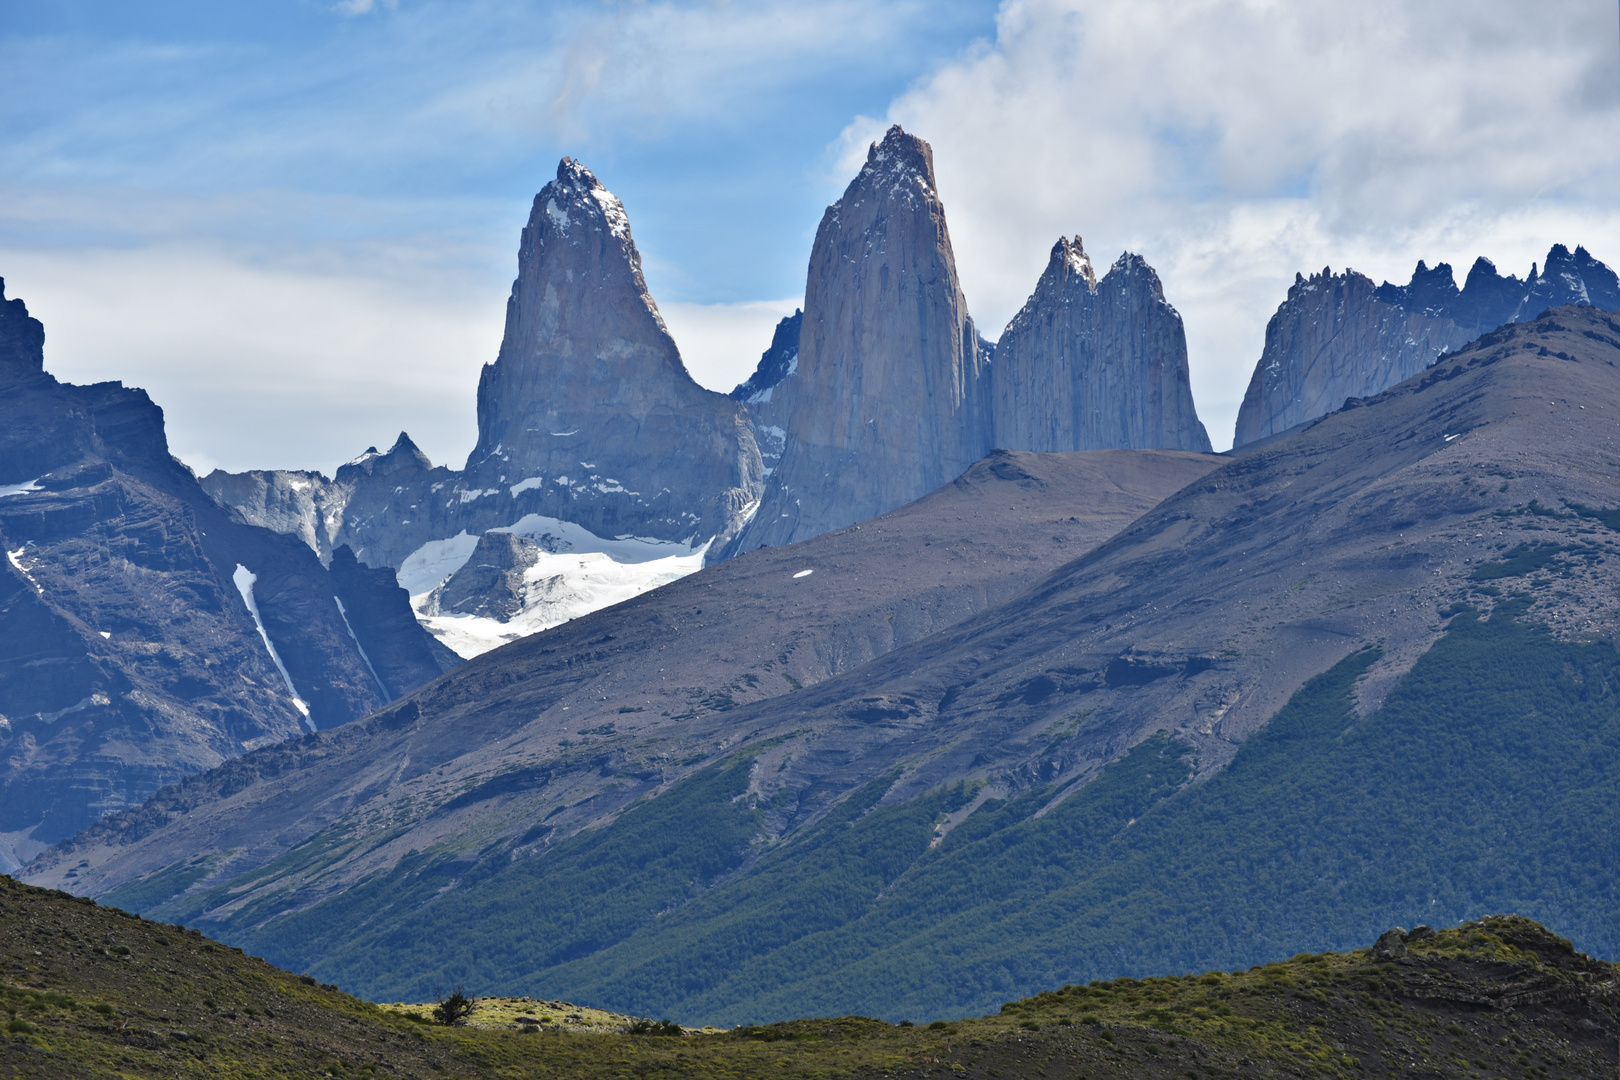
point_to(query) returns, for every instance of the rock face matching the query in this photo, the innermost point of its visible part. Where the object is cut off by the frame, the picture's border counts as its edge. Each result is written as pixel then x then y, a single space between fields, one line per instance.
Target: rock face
pixel 1088 365
pixel 769 391
pixel 1337 337
pixel 491 582
pixel 891 394
pixel 137 617
pixel 587 417
pixel 589 400
pixel 895 392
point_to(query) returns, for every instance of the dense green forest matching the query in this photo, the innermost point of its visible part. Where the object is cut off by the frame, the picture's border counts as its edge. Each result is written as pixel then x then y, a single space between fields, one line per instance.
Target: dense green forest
pixel 1488 780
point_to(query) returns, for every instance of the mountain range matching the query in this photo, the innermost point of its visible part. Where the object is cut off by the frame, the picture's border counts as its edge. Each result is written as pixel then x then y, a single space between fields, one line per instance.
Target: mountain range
pixel 919 672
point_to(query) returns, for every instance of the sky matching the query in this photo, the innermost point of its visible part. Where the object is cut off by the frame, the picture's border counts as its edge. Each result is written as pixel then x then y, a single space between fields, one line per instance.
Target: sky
pixel 295 222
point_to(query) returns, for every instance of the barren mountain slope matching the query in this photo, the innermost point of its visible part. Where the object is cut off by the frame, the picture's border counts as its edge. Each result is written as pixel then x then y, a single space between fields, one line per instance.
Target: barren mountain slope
pixel 559 719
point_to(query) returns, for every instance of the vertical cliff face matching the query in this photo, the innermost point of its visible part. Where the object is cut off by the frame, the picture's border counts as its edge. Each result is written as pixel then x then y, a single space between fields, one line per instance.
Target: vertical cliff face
pixel 1089 365
pixel 891 395
pixel 145 632
pixel 770 390
pixel 589 402
pixel 1336 337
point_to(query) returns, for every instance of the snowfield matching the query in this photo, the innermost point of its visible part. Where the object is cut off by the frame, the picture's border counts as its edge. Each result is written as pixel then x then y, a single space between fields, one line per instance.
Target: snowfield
pixel 577 573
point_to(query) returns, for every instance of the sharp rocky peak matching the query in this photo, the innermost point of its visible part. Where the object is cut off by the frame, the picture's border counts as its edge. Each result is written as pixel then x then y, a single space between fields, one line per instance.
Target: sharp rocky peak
pixel 1069 259
pixel 903 163
pixel 22 342
pixel 577 196
pixel 1337 337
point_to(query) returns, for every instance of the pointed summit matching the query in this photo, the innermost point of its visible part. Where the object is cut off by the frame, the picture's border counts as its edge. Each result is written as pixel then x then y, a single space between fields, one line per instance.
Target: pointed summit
pixel 1089 365
pixel 1336 337
pixel 589 399
pixel 22 342
pixel 890 391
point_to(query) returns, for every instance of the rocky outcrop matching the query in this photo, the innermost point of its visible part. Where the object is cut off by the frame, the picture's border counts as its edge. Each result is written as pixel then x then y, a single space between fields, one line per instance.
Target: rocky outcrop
pixel 1089 365
pixel 891 395
pixel 587 417
pixel 1567 278
pixel 589 401
pixel 1337 337
pixel 145 632
pixel 895 392
pixel 769 391
pixel 491 582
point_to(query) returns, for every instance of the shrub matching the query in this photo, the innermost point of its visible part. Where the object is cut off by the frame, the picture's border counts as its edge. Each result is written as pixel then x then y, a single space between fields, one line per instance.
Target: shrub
pixel 452 1009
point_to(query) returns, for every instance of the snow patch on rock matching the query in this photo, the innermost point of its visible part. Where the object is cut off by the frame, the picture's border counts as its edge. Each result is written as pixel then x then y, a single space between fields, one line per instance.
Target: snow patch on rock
pixel 576 573
pixel 244 579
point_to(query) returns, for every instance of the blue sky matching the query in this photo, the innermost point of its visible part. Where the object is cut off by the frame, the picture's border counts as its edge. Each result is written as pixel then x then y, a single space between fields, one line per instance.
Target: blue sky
pixel 296 222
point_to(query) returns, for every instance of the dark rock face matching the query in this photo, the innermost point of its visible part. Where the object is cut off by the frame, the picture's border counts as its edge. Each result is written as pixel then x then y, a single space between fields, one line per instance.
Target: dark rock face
pixel 1336 337
pixel 891 391
pixel 128 654
pixel 587 415
pixel 769 391
pixel 377 613
pixel 1569 279
pixel 491 582
pixel 589 395
pixel 1089 365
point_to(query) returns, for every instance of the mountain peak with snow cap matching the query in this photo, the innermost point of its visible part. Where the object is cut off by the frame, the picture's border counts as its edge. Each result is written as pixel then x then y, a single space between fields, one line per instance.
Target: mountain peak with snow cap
pixel 588 406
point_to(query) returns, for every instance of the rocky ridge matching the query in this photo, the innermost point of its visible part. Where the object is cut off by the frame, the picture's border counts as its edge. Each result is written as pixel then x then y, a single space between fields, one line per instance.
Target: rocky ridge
pixel 667 663
pixel 1338 337
pixel 146 633
pixel 895 390
pixel 1088 364
pixel 586 418
pixel 769 391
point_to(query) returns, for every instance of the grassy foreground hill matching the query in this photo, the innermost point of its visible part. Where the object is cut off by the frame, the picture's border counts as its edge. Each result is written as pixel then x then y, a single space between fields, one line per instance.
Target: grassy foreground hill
pixel 94 992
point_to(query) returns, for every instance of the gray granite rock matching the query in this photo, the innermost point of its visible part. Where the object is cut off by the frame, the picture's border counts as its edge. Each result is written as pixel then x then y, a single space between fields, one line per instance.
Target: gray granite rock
pixel 588 415
pixel 1089 365
pixel 589 396
pixel 891 396
pixel 1337 337
pixel 770 390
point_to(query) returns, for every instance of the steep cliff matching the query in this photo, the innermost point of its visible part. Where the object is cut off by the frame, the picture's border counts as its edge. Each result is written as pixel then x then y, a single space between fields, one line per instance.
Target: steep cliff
pixel 589 399
pixel 146 633
pixel 891 395
pixel 588 423
pixel 1089 365
pixel 1337 337
pixel 770 390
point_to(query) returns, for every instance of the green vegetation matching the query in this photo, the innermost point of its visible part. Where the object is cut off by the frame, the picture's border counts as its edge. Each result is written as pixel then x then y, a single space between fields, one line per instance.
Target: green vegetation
pixel 1501 996
pixel 1488 779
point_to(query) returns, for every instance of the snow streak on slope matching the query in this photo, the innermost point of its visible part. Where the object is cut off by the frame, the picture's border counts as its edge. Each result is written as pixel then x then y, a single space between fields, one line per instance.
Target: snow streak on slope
pixel 576 572
pixel 244 579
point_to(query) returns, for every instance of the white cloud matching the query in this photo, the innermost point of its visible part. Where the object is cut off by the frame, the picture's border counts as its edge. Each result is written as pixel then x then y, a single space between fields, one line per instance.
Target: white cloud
pixel 722 343
pixel 1233 142
pixel 269 365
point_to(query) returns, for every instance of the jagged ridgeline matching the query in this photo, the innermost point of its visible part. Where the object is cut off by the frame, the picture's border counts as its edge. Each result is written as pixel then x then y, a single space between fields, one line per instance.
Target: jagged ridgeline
pixel 891 391
pixel 594 441
pixel 1338 337
pixel 1360 675
pixel 145 633
pixel 92 992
